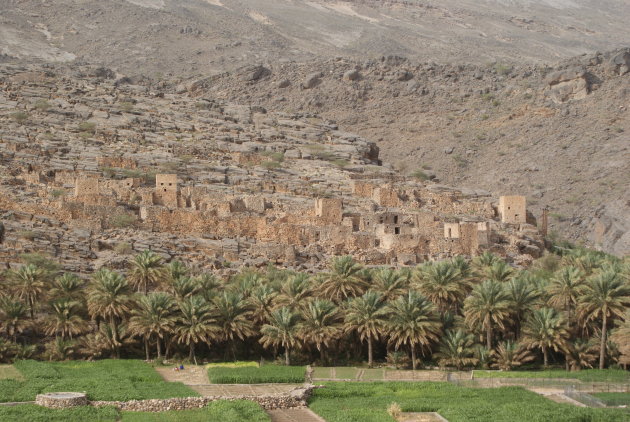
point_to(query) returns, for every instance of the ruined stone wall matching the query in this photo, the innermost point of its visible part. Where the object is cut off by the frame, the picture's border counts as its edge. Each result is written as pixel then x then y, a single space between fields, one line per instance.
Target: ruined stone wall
pixel 117 162
pixel 362 189
pixel 86 186
pixel 513 209
pixel 468 238
pixel 386 197
pixel 330 210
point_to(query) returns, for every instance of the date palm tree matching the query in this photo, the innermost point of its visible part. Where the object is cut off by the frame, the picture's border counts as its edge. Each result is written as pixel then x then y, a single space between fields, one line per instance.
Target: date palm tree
pixel 443 284
pixel 389 283
pixel 154 316
pixel 109 297
pixel 581 353
pixel 282 330
pixel 29 284
pixel 233 317
pixel 183 287
pixel 606 295
pixel 147 270
pixel 488 306
pixel 262 302
pixel 545 329
pixel 13 316
pixel 510 355
pixel 412 321
pixel 621 337
pixel 67 286
pixel 343 281
pixel 65 319
pixel 321 324
pixel 457 349
pixel 295 290
pixel 195 324
pixel 523 294
pixel 366 315
pixel 565 289
pixel 208 286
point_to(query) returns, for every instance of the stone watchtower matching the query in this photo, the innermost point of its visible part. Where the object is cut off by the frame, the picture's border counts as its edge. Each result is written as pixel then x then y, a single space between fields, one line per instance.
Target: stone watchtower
pixel 166 190
pixel 513 209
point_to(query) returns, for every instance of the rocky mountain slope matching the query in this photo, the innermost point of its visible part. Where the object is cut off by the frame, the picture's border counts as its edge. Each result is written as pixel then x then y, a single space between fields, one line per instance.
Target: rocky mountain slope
pixel 507 96
pixel 199 36
pixel 558 134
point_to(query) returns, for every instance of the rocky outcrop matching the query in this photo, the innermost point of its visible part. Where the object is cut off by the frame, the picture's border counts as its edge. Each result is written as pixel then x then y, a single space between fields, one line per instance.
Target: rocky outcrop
pixel 619 63
pixel 569 84
pixel 610 229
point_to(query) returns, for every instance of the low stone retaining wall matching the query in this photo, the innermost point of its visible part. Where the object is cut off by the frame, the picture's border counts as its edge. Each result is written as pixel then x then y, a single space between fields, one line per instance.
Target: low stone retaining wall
pixel 294 398
pixel 61 400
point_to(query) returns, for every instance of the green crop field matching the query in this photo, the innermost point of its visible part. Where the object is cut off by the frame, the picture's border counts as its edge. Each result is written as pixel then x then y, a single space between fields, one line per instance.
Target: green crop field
pixel 219 411
pixel 586 375
pixel 254 375
pixel 368 402
pixel 34 413
pixel 101 380
pixel 614 399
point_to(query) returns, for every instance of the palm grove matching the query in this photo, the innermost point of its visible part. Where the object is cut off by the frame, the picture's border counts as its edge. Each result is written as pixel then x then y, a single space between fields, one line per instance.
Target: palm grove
pixel 570 308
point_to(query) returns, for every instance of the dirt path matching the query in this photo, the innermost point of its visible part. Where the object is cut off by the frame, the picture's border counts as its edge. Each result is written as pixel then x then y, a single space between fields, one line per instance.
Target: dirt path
pixel 192 375
pixel 298 414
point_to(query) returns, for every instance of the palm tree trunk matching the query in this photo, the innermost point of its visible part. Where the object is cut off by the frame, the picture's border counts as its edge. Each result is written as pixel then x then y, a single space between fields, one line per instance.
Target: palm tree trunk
pixel 545 356
pixel 602 346
pixel 488 335
pixel 321 354
pixel 192 356
pixel 146 348
pixel 369 351
pixel 287 360
pixel 115 336
pixel 413 357
pixel 159 348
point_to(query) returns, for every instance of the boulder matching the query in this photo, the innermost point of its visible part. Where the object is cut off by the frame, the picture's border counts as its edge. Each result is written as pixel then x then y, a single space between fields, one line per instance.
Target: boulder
pixel 254 73
pixel 352 75
pixel 568 84
pixel 312 80
pixel 619 64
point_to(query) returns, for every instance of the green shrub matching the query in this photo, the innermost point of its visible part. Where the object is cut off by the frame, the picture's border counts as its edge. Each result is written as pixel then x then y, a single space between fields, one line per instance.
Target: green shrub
pixel 123 248
pixel 89 127
pixel 420 175
pixel 57 193
pixel 252 375
pixel 503 69
pixel 271 165
pixel 19 116
pixel 122 221
pixel 42 105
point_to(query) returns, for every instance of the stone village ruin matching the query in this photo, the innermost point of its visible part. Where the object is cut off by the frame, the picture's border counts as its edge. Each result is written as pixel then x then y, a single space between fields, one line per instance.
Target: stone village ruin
pixel 194 182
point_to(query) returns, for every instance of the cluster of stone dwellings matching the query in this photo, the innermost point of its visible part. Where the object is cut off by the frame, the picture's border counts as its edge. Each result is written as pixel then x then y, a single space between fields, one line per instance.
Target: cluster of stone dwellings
pixel 378 223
